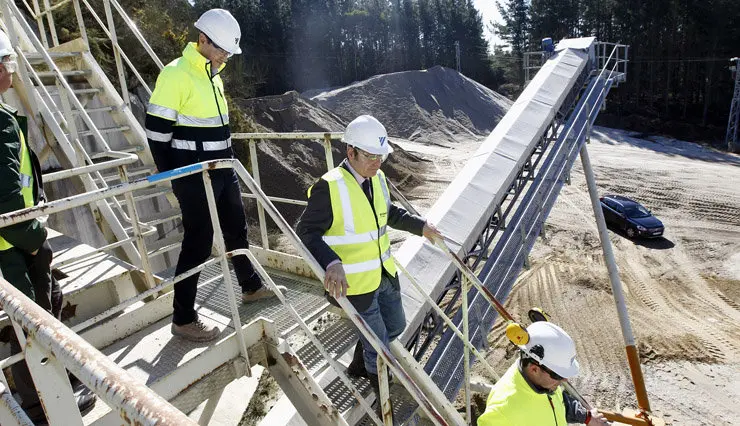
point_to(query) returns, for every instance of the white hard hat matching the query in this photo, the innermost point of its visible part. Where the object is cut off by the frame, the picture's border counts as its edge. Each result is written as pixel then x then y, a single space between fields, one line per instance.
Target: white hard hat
pixel 366 132
pixel 222 28
pixel 6 48
pixel 551 346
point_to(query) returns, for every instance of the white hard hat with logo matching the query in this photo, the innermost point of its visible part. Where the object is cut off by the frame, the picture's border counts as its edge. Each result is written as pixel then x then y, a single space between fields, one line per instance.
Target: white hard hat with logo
pixel 6 49
pixel 551 346
pixel 222 28
pixel 368 134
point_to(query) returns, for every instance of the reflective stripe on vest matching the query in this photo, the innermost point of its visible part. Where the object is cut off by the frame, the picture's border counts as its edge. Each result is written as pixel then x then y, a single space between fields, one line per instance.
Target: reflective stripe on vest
pixel 26 181
pixel 512 402
pixel 187 94
pixel 356 235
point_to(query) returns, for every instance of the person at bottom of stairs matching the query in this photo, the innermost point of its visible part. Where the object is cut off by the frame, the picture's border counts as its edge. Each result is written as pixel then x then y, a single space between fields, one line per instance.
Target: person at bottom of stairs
pixel 25 254
pixel 530 393
pixel 344 226
pixel 187 122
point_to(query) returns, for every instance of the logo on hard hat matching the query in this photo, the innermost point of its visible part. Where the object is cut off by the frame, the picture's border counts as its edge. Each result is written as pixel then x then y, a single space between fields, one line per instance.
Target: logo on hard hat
pixel 382 140
pixel 236 40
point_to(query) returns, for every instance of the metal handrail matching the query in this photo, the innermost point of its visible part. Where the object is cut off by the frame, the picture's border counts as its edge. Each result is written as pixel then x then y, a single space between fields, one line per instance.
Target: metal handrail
pixel 417 386
pixel 121 159
pixel 114 385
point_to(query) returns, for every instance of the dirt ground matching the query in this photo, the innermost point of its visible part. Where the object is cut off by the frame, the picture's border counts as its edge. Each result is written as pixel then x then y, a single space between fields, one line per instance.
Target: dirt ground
pixel 682 291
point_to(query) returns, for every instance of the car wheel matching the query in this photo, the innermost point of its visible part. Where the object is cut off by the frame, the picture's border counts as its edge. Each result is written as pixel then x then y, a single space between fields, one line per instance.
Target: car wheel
pixel 631 233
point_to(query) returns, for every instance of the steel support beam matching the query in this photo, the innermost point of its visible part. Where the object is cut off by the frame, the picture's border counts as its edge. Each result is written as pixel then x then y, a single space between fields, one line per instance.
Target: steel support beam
pixel 611 264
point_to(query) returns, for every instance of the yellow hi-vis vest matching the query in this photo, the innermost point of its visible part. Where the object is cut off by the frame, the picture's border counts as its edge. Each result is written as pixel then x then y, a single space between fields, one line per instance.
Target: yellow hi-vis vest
pixel 512 402
pixel 26 183
pixel 356 235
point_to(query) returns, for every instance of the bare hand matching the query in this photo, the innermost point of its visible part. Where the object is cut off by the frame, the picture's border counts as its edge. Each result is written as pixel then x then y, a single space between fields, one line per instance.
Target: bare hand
pixel 597 419
pixel 335 282
pixel 431 232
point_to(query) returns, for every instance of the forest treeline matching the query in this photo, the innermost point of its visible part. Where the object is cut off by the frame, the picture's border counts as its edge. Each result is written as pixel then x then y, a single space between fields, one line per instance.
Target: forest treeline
pixel 678 82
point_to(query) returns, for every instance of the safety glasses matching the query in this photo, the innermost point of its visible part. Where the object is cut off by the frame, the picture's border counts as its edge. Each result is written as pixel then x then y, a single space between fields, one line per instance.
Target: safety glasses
pixel 372 157
pixel 228 54
pixel 553 375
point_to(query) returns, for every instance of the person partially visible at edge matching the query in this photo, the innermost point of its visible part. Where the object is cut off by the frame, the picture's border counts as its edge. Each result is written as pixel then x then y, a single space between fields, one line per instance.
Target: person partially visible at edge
pixel 25 254
pixel 344 226
pixel 187 122
pixel 530 392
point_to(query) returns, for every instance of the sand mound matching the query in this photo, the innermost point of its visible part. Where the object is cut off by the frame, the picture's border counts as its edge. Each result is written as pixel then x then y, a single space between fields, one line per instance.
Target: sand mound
pixel 288 167
pixel 438 105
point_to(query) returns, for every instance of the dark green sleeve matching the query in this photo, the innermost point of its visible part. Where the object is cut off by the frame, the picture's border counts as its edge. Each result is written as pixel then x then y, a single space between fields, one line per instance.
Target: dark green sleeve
pixel 27 236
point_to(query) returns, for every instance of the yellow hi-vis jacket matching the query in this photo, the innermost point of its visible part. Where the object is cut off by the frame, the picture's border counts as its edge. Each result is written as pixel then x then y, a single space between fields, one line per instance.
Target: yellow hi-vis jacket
pixel 513 402
pixel 356 235
pixel 187 117
pixel 26 182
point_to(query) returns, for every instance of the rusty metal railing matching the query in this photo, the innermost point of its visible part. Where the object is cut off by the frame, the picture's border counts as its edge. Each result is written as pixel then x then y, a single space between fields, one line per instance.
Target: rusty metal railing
pixel 51 348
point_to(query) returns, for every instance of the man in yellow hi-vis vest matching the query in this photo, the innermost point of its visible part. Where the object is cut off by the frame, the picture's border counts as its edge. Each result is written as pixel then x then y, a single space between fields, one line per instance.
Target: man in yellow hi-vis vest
pixel 187 121
pixel 529 393
pixel 345 227
pixel 25 254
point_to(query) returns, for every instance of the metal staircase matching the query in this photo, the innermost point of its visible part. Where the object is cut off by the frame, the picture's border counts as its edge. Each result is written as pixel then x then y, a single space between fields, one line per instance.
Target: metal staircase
pixel 84 120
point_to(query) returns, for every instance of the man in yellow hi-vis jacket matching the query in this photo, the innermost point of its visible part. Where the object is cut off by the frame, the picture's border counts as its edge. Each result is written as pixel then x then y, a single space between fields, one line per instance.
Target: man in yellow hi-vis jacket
pixel 344 226
pixel 529 393
pixel 187 122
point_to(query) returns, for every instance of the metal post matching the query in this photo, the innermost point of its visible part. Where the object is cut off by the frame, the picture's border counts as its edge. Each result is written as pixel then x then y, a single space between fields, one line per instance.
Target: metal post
pixel 210 408
pixel 260 209
pixel 466 350
pixel 218 243
pixel 384 400
pixel 52 385
pixel 134 217
pixel 80 21
pixel 611 264
pixel 116 53
pixel 39 22
pixel 457 54
pixel 733 121
pixel 327 152
pixel 50 20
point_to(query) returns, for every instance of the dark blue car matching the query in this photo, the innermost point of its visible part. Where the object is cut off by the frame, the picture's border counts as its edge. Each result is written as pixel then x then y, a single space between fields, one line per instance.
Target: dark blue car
pixel 630 216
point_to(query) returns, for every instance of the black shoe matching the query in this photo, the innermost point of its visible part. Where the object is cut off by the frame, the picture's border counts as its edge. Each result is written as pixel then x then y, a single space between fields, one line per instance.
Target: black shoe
pixel 85 398
pixel 357 367
pixel 374 383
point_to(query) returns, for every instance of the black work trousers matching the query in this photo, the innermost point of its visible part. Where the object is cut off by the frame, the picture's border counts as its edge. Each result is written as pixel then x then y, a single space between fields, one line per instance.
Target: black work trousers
pixel 198 235
pixel 31 275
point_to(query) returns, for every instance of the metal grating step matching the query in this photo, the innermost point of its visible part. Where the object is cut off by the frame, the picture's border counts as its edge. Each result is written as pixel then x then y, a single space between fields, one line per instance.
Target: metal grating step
pixel 161 216
pixel 305 299
pixel 133 172
pixel 146 194
pixel 103 131
pixel 73 73
pixel 37 58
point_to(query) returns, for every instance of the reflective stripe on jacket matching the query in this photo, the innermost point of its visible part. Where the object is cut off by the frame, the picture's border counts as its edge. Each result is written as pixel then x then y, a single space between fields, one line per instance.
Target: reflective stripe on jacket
pixel 357 235
pixel 513 402
pixel 188 110
pixel 26 182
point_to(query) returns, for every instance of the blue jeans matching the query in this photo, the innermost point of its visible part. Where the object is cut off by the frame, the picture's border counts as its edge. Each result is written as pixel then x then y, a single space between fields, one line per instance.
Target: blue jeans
pixel 386 318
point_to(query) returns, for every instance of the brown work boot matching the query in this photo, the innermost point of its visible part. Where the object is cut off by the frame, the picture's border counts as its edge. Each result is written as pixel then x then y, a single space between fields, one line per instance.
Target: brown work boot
pixel 261 293
pixel 196 331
